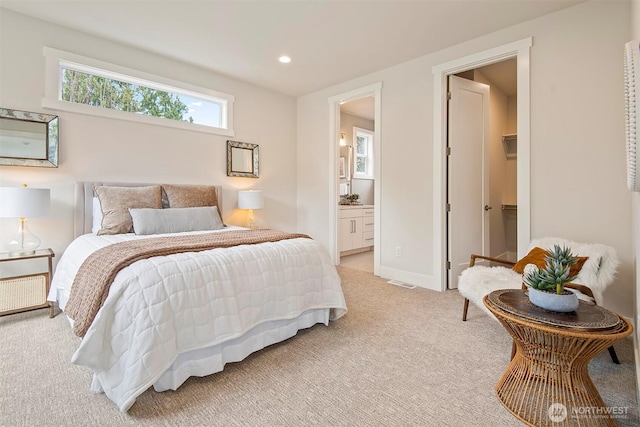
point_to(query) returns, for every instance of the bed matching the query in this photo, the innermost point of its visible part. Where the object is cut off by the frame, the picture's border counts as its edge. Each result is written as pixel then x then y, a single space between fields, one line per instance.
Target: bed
pixel 166 316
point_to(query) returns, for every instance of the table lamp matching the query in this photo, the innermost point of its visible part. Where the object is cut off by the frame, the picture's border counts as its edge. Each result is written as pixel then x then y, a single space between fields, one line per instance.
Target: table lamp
pixel 23 203
pixel 250 199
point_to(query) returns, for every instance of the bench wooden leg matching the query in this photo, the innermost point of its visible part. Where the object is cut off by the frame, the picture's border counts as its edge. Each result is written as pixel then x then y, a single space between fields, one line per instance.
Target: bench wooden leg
pixel 465 309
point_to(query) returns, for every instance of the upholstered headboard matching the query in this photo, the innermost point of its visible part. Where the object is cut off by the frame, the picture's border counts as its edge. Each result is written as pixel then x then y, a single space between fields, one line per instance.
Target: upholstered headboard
pixel 83 217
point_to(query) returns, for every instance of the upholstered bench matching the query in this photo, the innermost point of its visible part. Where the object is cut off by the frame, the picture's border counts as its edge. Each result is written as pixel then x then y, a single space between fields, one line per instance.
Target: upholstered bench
pixel 597 272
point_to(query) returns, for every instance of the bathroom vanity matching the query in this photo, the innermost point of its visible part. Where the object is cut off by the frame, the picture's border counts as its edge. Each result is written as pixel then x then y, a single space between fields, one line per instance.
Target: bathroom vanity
pixel 356 228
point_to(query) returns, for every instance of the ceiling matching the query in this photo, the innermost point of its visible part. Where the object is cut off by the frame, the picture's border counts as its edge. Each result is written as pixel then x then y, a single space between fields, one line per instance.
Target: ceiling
pixel 503 74
pixel 362 107
pixel 329 41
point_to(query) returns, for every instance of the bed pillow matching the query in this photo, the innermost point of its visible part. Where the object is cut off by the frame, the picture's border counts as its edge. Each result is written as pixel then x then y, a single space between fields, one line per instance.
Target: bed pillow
pixel 191 196
pixel 175 220
pixel 537 256
pixel 115 203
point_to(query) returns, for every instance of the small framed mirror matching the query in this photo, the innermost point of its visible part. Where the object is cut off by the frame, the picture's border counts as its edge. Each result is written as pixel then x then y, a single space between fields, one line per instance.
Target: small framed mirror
pixel 28 139
pixel 242 159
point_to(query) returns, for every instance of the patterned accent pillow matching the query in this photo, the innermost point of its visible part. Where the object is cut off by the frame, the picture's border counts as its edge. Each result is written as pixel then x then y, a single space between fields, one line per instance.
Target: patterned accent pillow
pixel 115 203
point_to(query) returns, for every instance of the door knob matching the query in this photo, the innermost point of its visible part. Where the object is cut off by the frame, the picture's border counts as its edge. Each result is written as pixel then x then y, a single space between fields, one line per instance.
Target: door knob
pixel 487 207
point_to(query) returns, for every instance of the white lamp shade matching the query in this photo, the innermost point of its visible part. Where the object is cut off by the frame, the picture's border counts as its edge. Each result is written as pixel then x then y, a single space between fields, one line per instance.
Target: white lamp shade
pixel 18 202
pixel 250 199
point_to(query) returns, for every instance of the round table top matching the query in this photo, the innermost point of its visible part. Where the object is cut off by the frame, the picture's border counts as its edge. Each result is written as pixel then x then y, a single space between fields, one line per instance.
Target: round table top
pixel 588 317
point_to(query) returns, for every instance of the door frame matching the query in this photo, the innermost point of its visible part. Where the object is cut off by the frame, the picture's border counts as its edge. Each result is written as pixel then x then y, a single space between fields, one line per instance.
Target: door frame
pixel 374 90
pixel 521 50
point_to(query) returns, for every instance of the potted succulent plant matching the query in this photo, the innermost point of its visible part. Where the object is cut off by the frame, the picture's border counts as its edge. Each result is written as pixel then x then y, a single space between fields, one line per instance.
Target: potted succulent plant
pixel 546 284
pixel 353 198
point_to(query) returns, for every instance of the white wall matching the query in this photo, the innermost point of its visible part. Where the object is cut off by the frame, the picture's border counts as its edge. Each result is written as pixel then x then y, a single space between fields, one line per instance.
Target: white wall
pixel 577 128
pixel 94 148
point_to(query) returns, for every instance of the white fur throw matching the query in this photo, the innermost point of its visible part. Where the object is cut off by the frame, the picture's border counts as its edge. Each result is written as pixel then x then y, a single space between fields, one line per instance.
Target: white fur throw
pixel 597 272
pixel 476 282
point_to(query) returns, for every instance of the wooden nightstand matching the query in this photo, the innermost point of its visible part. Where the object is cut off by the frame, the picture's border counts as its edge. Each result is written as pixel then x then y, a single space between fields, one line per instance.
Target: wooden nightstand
pixel 28 292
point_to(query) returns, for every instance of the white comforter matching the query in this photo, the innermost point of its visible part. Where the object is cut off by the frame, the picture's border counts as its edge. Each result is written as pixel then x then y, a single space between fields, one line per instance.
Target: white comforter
pixel 162 307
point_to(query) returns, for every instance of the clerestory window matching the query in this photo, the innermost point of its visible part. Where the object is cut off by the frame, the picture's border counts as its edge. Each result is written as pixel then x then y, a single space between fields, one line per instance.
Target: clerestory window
pixel 89 86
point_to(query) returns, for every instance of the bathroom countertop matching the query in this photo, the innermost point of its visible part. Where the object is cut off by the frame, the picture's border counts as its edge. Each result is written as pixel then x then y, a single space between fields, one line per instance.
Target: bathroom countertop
pixel 355 206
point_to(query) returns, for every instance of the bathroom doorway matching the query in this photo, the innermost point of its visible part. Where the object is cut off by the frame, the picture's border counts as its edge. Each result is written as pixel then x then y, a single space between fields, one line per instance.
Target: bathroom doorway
pixel 356 169
pixel 357 219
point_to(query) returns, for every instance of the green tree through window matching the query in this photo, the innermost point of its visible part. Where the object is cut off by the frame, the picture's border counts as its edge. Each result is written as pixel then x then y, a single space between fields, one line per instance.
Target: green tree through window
pixel 84 88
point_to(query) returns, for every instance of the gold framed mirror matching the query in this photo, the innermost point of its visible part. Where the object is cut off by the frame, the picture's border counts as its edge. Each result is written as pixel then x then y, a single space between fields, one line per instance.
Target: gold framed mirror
pixel 242 159
pixel 28 139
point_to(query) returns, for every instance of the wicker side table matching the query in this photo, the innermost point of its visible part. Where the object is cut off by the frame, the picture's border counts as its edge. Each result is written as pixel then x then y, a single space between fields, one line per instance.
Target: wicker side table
pixel 547 382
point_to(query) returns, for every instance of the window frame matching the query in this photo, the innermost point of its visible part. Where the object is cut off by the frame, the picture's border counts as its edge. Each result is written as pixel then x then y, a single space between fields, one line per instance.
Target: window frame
pixel 56 60
pixel 369 164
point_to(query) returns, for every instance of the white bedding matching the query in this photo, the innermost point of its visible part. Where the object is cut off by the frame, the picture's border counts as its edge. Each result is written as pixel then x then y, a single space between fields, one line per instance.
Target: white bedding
pixel 213 307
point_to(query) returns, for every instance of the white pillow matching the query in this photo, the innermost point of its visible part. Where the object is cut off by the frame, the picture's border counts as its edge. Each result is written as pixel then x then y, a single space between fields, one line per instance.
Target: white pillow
pixel 175 220
pixel 96 214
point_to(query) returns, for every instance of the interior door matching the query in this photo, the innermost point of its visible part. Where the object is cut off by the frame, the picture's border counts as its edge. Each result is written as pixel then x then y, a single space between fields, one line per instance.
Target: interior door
pixel 467 174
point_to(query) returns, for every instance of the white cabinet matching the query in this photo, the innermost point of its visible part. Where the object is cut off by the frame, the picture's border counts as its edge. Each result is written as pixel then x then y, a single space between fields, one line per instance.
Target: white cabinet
pixel 356 228
pixel 350 228
pixel 367 226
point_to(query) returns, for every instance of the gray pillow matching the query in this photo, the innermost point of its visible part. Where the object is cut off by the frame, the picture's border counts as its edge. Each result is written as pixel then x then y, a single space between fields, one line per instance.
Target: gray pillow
pixel 175 220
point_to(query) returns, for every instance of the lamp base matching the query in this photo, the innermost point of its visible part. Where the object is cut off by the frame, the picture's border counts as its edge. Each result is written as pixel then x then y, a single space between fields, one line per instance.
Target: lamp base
pixel 251 222
pixel 22 243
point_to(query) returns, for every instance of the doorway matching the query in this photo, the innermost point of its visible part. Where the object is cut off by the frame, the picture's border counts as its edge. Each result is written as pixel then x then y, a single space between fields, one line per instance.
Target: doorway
pixel 519 50
pixel 356 169
pixel 335 102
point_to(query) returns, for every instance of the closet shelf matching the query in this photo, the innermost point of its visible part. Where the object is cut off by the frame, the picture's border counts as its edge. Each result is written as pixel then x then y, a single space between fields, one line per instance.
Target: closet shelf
pixel 509 207
pixel 510 145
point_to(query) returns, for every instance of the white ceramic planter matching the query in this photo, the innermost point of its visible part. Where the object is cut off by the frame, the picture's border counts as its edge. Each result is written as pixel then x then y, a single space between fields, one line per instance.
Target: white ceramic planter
pixel 564 303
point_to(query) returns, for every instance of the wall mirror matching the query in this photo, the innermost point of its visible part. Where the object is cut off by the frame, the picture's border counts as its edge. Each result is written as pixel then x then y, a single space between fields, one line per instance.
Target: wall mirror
pixel 28 139
pixel 242 159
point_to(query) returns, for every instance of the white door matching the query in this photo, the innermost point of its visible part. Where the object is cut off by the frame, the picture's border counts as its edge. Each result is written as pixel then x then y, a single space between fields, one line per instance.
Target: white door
pixel 468 174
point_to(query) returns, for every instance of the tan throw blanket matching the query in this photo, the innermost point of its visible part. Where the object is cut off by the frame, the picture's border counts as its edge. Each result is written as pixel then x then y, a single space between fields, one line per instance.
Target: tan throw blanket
pixel 91 284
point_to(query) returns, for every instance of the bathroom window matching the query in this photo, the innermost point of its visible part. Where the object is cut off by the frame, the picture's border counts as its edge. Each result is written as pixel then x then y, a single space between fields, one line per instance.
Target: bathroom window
pixel 363 153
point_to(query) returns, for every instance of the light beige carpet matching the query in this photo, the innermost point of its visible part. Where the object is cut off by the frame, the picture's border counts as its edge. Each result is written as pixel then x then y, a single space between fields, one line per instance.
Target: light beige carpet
pixel 399 357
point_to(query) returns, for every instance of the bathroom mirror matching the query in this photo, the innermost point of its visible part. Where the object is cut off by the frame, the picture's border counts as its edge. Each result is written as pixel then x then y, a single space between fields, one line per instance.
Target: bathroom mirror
pixel 28 139
pixel 242 159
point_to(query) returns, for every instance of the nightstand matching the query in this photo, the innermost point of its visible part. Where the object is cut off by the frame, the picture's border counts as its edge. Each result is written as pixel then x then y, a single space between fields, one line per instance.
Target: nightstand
pixel 28 292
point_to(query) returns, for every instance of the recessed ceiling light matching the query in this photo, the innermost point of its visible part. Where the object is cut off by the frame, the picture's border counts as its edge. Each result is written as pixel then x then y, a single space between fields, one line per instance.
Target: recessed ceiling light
pixel 284 59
